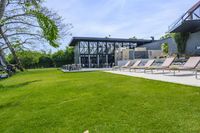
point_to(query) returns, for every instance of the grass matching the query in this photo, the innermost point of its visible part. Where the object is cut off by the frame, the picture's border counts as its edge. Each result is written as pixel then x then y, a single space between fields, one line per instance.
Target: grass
pixel 51 101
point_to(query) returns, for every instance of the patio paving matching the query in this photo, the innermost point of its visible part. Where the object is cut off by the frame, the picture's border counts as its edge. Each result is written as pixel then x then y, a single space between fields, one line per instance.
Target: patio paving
pixel 184 77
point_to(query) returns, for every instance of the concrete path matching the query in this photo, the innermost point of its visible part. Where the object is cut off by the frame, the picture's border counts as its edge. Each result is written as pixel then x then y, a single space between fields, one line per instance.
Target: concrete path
pixel 185 77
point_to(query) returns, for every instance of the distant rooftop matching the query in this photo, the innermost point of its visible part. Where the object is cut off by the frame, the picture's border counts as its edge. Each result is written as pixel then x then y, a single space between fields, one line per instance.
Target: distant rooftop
pixel 74 40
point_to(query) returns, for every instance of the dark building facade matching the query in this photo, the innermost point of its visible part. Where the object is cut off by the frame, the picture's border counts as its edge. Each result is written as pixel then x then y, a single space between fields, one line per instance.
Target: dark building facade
pixel 100 52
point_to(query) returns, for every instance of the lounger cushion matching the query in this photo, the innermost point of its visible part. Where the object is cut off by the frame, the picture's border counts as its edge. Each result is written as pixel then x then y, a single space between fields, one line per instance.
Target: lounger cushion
pixel 189 65
pixel 168 62
pixel 136 64
pixel 128 64
pixel 165 64
pixel 192 62
pixel 148 64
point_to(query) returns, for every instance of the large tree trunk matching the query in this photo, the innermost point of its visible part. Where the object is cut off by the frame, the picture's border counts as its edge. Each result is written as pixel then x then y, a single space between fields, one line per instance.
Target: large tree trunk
pixel 3 65
pixel 2 8
pixel 2 55
pixel 12 50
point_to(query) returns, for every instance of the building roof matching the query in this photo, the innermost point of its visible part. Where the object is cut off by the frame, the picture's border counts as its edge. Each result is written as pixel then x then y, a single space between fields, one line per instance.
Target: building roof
pixel 74 40
pixel 187 26
pixel 188 22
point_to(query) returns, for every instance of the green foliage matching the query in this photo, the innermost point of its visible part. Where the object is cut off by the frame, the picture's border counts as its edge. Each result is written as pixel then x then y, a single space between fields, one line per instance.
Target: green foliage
pixel 63 57
pixel 49 28
pixel 35 59
pixel 29 59
pixel 45 61
pixel 35 3
pixel 47 101
pixel 168 35
pixel 181 41
pixel 59 58
pixel 165 48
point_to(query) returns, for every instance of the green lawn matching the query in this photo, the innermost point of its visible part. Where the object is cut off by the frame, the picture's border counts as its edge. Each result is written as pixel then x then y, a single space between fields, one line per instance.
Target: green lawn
pixel 51 101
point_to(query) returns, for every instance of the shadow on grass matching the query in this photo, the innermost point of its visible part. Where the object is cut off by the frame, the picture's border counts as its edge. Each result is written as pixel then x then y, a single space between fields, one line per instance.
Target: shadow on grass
pixel 18 85
pixel 8 105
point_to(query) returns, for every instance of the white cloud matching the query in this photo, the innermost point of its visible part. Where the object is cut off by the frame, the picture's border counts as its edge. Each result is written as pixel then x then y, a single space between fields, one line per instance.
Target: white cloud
pixel 120 18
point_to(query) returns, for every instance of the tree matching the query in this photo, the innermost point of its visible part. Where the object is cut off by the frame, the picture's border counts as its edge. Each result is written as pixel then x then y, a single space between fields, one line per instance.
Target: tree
pixel 37 59
pixel 168 35
pixel 45 61
pixel 70 55
pixel 25 22
pixel 165 48
pixel 59 58
pixel 63 57
pixel 29 59
pixel 181 41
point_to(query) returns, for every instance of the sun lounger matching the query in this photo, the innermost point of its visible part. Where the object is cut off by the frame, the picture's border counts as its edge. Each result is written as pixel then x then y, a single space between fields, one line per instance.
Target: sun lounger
pixel 128 64
pixel 148 64
pixel 124 66
pixel 136 64
pixel 191 64
pixel 166 64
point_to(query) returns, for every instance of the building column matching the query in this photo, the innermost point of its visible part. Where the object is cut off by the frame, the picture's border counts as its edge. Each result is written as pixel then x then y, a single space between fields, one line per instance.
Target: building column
pixel 79 62
pixel 107 60
pixel 89 61
pixel 98 61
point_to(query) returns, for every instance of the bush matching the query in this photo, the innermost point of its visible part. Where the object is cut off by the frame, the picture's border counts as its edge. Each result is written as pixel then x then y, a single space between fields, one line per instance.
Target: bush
pixel 36 59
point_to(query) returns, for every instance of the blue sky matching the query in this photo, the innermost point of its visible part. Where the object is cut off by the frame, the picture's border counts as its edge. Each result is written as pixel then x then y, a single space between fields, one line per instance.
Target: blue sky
pixel 120 18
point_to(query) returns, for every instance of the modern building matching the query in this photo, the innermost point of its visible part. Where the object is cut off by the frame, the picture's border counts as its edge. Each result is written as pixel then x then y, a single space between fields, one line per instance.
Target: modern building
pixel 189 22
pixel 101 52
pixel 93 52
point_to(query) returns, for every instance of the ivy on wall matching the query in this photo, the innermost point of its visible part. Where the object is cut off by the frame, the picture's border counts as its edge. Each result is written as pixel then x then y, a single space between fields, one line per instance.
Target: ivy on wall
pixel 181 41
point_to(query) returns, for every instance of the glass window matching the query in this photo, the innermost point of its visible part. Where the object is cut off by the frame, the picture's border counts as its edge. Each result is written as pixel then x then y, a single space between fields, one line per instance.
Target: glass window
pixel 133 45
pixel 93 47
pixel 125 45
pixel 110 46
pixel 83 47
pixel 102 48
pixel 118 45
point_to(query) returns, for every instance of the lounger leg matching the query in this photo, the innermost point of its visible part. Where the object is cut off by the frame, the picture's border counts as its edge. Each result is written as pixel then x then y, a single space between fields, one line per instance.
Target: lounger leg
pixel 174 72
pixel 163 71
pixel 196 74
pixel 152 71
pixel 144 70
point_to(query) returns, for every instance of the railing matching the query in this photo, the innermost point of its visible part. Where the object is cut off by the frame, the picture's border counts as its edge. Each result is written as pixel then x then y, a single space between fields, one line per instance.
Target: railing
pixel 191 14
